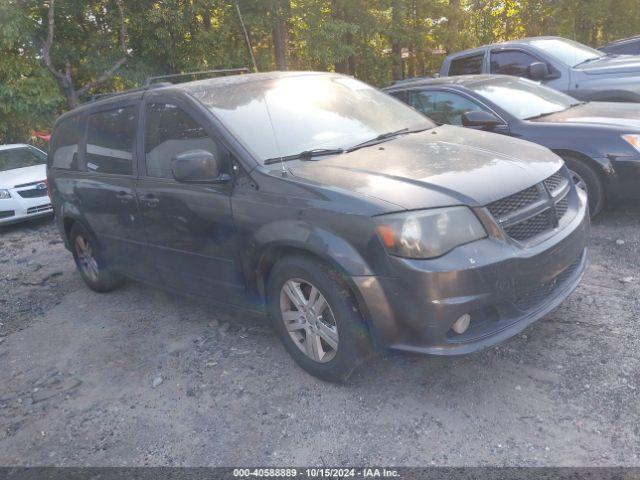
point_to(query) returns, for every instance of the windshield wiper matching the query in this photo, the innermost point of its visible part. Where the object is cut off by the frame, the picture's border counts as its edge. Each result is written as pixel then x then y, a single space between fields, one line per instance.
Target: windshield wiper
pixel 385 136
pixel 305 155
pixel 540 115
pixel 588 60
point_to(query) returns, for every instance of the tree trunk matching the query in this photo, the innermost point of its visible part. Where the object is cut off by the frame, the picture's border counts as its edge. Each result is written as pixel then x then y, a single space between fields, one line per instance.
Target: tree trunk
pixel 279 44
pixel 348 64
pixel 453 26
pixel 397 69
pixel 279 14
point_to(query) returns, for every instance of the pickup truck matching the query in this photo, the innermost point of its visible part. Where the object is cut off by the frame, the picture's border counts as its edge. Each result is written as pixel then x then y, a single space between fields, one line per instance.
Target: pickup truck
pixel 576 69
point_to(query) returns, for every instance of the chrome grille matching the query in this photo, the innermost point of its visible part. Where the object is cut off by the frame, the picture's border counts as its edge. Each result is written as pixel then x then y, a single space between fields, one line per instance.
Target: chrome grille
pixel 39 209
pixel 555 182
pixel 534 297
pixel 514 202
pixel 532 211
pixel 530 228
pixel 33 193
pixel 561 207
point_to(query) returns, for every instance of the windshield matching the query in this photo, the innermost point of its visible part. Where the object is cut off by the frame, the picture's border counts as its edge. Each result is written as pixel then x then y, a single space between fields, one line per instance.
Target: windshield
pixel 286 116
pixel 522 98
pixel 20 157
pixel 567 51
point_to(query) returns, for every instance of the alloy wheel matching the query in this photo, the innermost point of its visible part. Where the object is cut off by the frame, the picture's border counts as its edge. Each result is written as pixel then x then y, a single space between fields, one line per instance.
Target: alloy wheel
pixel 88 263
pixel 309 320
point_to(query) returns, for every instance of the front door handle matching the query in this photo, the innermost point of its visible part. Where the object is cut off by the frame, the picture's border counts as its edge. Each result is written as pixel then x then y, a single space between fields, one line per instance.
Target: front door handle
pixel 150 201
pixel 124 197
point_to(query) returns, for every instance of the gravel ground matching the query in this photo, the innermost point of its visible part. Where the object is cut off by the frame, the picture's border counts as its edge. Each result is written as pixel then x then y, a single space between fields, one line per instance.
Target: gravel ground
pixel 140 377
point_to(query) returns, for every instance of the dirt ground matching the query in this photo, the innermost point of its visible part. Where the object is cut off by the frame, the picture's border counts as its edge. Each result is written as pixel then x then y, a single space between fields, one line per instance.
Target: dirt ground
pixel 140 377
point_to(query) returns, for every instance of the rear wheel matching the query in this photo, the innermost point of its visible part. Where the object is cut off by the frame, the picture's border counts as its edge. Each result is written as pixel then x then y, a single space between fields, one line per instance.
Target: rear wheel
pixel 93 270
pixel 317 318
pixel 588 180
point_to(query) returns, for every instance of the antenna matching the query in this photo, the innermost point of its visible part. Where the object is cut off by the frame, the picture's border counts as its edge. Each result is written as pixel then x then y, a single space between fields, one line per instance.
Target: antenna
pixel 246 37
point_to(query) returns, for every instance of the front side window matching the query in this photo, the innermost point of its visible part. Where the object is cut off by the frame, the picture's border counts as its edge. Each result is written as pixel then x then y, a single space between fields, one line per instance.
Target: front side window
pixel 64 144
pixel 522 98
pixel 512 62
pixel 170 131
pixel 276 117
pixel 110 141
pixel 443 107
pixel 13 158
pixel 471 65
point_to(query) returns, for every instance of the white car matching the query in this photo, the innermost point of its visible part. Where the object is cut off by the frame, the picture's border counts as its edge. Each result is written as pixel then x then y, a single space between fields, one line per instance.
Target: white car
pixel 23 184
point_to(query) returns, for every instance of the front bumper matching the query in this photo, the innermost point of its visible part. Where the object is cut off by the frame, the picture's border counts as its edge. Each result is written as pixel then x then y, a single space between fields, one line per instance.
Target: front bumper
pixel 503 286
pixel 18 208
pixel 623 176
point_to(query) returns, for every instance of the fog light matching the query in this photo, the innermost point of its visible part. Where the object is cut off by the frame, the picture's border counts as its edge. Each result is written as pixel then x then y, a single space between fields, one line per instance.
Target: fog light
pixel 460 325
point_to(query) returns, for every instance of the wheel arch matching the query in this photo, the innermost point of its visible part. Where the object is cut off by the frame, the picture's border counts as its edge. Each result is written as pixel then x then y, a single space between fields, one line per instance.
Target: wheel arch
pixel 602 166
pixel 274 252
pixel 285 238
pixel 68 220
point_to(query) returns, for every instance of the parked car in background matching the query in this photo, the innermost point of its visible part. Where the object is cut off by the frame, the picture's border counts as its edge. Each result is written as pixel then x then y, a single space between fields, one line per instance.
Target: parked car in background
pixel 624 46
pixel 599 141
pixel 23 187
pixel 568 66
pixel 350 218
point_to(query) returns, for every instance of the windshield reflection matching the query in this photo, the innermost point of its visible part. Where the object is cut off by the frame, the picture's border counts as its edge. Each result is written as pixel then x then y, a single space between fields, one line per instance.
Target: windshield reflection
pixel 277 117
pixel 567 51
pixel 523 98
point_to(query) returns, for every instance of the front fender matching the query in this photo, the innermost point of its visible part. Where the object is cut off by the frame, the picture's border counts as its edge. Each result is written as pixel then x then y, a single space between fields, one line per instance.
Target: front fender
pixel 302 236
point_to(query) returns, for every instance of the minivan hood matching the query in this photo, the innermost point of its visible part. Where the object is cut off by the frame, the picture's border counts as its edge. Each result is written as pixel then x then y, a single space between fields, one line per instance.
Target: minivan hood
pixel 626 116
pixel 20 176
pixel 612 65
pixel 438 167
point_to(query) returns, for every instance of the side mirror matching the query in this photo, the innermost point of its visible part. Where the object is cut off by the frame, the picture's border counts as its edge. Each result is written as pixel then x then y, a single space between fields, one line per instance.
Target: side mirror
pixel 538 71
pixel 480 118
pixel 197 166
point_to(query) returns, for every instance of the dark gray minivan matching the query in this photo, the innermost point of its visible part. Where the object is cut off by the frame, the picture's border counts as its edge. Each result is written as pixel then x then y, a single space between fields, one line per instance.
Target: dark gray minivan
pixel 351 219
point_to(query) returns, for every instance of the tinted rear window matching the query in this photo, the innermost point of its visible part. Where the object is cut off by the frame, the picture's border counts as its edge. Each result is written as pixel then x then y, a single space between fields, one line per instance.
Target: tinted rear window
pixel 64 144
pixel 467 65
pixel 110 138
pixel 20 158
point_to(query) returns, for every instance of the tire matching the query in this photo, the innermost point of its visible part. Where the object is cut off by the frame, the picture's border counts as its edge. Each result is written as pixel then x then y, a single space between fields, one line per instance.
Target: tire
pixel 340 316
pixel 581 171
pixel 93 270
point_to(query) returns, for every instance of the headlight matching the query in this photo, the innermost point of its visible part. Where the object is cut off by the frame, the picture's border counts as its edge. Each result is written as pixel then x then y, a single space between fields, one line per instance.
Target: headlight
pixel 428 233
pixel 4 194
pixel 633 140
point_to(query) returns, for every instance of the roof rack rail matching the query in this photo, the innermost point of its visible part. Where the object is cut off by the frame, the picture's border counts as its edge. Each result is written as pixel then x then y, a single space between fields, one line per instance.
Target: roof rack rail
pixel 100 96
pixel 149 81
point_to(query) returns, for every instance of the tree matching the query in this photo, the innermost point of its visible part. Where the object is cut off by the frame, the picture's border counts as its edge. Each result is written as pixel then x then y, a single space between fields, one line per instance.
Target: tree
pixel 28 95
pixel 54 54
pixel 64 78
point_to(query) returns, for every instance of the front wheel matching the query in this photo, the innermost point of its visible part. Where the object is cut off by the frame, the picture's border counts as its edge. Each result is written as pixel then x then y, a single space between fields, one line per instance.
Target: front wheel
pixel 588 180
pixel 317 318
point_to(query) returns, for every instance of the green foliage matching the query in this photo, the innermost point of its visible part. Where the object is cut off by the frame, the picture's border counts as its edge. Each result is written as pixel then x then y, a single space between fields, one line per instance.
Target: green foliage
pixel 374 40
pixel 28 95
